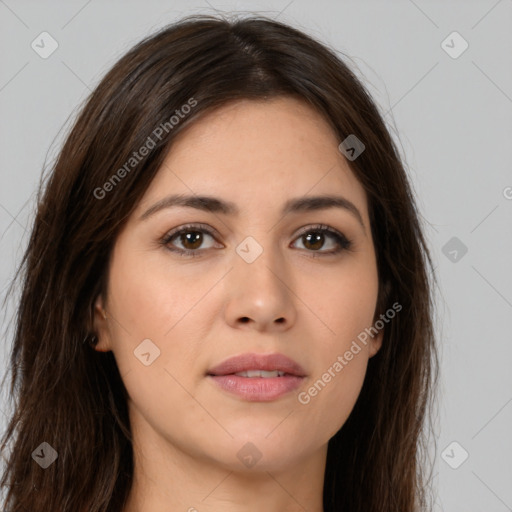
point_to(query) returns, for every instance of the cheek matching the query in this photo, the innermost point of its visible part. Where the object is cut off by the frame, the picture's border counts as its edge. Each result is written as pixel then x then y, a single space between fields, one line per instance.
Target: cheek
pixel 153 341
pixel 151 292
pixel 345 304
pixel 148 302
pixel 343 300
pixel 160 401
pixel 331 395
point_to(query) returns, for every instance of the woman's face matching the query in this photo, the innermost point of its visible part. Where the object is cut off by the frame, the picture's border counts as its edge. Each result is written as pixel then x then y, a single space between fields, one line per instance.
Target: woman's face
pixel 253 282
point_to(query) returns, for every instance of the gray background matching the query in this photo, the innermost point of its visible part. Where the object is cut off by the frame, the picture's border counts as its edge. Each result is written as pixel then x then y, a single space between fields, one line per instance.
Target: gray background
pixel 452 119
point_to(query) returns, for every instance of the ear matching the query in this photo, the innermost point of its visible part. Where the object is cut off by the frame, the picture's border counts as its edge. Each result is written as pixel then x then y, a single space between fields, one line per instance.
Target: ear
pixel 376 343
pixel 101 326
pixel 384 294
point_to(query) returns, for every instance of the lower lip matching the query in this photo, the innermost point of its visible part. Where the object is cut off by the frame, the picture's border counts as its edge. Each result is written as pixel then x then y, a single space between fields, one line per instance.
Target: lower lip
pixel 258 389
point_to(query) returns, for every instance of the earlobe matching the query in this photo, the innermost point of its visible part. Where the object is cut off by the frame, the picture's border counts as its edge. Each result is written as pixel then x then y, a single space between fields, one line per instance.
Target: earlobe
pixel 101 329
pixel 376 343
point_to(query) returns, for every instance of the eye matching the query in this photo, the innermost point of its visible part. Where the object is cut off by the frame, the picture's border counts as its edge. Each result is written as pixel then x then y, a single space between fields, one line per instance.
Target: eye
pixel 313 237
pixel 191 237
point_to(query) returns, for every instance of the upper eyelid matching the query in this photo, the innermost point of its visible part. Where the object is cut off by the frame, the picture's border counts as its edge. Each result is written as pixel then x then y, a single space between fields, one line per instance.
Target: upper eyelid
pixel 190 227
pixel 213 231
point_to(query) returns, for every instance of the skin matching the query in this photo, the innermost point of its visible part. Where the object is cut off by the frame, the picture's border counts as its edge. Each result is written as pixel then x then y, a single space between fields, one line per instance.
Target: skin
pixel 187 431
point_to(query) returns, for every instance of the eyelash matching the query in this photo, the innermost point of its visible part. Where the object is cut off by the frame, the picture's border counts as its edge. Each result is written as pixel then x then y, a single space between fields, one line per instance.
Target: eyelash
pixel 344 244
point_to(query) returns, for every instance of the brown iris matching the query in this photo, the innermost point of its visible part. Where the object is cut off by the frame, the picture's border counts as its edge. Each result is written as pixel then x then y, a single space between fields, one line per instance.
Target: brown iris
pixel 195 238
pixel 318 240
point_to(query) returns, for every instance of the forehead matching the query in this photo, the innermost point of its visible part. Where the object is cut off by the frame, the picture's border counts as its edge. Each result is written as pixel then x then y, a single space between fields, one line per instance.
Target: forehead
pixel 257 154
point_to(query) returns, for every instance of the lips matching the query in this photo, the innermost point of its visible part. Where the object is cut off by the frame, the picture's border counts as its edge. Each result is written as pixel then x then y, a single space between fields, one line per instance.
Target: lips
pixel 257 377
pixel 253 362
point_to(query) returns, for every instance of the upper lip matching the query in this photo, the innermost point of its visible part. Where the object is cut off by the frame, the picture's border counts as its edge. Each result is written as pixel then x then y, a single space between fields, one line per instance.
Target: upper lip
pixel 252 361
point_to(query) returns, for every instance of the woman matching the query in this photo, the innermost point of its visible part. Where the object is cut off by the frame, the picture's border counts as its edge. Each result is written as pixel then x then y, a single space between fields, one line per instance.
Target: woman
pixel 225 302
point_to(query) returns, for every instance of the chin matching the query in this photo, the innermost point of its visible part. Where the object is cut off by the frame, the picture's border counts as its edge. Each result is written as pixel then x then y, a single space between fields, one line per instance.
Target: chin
pixel 255 451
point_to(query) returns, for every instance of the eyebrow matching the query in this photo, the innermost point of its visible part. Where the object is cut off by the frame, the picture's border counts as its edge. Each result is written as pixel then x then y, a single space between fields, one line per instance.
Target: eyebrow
pixel 215 205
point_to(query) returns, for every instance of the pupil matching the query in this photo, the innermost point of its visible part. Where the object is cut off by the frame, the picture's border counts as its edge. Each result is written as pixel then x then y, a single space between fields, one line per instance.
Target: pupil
pixel 189 239
pixel 319 237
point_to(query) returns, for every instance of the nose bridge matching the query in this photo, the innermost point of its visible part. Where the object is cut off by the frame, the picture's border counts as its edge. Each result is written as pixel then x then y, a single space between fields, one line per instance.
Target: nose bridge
pixel 259 260
pixel 259 288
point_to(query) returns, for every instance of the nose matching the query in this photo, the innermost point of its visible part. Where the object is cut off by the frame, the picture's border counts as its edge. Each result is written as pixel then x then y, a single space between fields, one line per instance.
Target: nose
pixel 259 293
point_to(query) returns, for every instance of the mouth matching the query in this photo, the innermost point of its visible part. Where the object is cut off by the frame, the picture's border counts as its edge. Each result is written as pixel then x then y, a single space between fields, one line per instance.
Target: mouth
pixel 251 374
pixel 258 377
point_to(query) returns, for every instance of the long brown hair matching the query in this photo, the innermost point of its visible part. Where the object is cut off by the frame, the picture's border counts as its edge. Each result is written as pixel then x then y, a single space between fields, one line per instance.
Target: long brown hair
pixel 73 398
